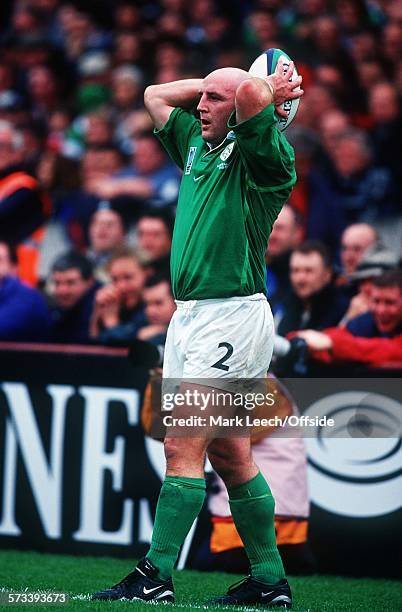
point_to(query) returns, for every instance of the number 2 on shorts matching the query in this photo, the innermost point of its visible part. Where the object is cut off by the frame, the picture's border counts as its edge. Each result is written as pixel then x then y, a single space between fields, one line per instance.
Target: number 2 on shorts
pixel 220 364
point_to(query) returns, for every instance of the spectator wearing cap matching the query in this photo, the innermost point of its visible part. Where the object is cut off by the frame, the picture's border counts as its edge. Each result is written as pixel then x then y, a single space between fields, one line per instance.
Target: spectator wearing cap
pixel 119 309
pixel 373 338
pixel 315 302
pixel 106 234
pixel 373 264
pixel 24 316
pixel 72 291
pixel 154 239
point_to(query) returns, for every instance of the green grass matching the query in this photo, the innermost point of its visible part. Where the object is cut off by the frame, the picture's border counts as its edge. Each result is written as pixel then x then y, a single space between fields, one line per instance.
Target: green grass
pixel 83 575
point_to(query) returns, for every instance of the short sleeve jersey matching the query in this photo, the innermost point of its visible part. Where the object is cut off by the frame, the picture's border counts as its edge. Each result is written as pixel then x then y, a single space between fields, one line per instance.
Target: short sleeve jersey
pixel 229 198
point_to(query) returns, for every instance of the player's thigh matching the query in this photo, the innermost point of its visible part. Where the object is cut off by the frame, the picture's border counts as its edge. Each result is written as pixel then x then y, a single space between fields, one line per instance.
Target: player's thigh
pixel 231 340
pixel 173 358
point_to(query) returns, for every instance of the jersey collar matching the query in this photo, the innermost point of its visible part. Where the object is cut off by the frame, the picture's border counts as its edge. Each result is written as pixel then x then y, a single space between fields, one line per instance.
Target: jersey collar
pixel 229 136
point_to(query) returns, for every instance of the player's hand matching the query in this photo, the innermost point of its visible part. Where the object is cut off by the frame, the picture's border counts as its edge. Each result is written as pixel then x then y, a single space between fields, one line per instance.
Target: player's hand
pixel 316 341
pixel 283 89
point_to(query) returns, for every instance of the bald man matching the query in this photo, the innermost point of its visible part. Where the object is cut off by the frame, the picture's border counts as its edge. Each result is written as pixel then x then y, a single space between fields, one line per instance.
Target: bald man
pixel 238 171
pixel 355 241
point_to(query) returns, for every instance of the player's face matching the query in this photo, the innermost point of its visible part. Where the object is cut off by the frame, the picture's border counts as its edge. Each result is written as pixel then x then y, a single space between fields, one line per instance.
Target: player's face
pixel 216 104
pixel 386 306
pixel 308 274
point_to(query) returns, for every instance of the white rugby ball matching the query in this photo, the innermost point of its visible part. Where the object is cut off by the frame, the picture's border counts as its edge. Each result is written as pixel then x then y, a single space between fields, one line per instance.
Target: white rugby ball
pixel 265 65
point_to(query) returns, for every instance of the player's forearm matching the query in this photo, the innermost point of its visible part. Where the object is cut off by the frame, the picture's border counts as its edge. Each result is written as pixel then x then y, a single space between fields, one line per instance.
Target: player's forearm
pixel 161 99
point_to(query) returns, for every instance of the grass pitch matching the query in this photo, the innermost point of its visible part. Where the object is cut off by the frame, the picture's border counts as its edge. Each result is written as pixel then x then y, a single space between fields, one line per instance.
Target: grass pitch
pixel 80 576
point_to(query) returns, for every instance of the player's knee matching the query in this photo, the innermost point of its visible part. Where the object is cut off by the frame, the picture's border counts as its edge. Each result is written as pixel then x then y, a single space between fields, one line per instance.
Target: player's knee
pixel 173 449
pixel 223 464
pixel 181 452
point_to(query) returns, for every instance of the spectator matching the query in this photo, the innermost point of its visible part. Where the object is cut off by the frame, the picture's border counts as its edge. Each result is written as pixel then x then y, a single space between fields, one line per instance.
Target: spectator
pixel 332 125
pixel 363 191
pixel 126 90
pixel 106 234
pixel 286 235
pixel 43 91
pixel 356 191
pixel 119 309
pixel 386 133
pixel 306 146
pixel 73 290
pixel 373 338
pixel 355 241
pixel 154 240
pixel 159 309
pixel 151 177
pixel 24 316
pixel 23 209
pixel 374 263
pixel 128 48
pixel 76 207
pixel 315 302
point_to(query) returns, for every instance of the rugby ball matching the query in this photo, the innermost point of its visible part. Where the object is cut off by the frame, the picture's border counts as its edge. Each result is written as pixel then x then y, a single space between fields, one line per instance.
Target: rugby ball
pixel 265 65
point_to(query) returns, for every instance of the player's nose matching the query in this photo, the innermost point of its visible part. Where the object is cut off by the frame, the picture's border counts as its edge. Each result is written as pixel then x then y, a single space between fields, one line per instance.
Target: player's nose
pixel 202 104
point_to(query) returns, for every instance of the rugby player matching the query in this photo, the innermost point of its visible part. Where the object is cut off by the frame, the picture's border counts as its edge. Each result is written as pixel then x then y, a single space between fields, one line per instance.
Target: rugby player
pixel 238 171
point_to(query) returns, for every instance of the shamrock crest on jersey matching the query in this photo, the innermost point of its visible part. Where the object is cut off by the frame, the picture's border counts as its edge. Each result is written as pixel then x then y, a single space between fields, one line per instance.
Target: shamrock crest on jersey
pixel 226 151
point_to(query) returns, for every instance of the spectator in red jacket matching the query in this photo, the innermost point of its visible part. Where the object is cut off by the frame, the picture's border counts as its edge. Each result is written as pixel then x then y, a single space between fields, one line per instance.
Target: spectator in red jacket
pixel 373 338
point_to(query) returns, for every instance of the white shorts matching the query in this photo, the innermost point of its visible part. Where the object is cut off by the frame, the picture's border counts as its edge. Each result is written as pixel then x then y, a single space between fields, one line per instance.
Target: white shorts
pixel 220 338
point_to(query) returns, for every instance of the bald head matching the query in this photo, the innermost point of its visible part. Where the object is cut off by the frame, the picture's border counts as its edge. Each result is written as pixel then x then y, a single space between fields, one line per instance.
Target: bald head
pixel 230 78
pixel 217 102
pixel 355 241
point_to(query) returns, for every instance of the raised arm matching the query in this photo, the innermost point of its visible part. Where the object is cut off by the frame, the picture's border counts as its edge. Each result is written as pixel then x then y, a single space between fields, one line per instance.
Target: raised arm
pixel 254 94
pixel 161 99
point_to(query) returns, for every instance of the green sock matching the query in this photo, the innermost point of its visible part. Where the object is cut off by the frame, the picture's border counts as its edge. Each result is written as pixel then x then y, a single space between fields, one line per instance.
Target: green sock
pixel 252 507
pixel 179 503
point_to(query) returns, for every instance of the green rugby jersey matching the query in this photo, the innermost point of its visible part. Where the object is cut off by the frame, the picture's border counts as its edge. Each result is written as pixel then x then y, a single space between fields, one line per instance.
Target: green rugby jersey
pixel 229 199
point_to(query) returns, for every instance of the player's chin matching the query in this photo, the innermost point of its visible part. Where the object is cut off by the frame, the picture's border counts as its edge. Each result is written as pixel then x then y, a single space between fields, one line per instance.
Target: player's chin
pixel 205 132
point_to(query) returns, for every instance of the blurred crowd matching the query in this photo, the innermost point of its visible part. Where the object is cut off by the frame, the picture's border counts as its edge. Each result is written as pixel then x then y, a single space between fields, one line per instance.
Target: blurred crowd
pixel 87 194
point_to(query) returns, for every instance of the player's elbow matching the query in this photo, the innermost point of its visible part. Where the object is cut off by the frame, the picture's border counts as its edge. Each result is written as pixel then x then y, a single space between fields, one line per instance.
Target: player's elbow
pixel 252 95
pixel 250 90
pixel 150 95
